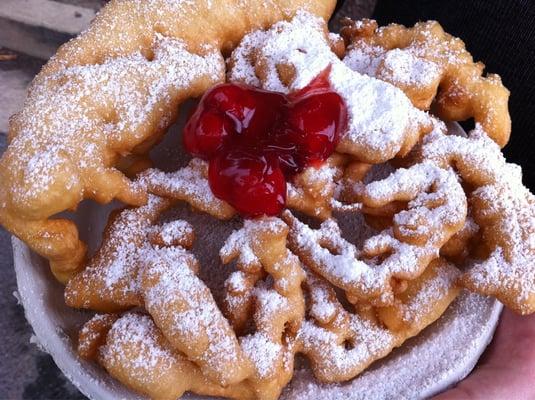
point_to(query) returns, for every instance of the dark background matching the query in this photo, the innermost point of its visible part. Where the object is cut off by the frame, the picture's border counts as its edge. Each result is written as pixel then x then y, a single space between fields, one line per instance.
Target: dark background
pixel 502 34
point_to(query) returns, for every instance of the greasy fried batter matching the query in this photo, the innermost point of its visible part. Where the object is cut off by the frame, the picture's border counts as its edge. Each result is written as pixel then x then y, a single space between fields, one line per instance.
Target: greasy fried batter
pixel 436 211
pixel 503 208
pixel 313 191
pixel 275 307
pixel 112 91
pixel 189 184
pixel 341 344
pixel 343 293
pixel 382 121
pixel 110 281
pixel 430 66
pixel 127 346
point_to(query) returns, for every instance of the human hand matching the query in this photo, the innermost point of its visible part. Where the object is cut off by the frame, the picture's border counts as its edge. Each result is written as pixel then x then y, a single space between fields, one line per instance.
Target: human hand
pixel 507 369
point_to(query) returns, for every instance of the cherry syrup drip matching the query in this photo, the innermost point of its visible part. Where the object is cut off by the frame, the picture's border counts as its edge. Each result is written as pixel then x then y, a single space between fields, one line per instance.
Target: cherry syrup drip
pixel 255 140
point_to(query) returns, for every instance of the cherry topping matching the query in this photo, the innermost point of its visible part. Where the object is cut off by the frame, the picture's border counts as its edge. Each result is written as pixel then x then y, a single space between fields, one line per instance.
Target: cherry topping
pixel 234 101
pixel 252 182
pixel 205 132
pixel 255 140
pixel 313 126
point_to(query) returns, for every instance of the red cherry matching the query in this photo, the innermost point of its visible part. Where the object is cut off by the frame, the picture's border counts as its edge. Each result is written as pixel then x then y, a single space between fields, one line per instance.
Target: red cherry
pixel 235 101
pixel 282 145
pixel 252 183
pixel 255 139
pixel 268 114
pixel 315 124
pixel 319 84
pixel 205 133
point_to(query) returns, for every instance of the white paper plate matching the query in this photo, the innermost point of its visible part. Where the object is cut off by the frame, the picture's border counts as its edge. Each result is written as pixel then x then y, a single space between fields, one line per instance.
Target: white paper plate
pixel 439 357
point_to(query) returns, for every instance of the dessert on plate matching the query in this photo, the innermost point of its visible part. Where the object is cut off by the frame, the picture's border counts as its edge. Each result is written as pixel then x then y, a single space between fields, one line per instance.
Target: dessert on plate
pixel 354 216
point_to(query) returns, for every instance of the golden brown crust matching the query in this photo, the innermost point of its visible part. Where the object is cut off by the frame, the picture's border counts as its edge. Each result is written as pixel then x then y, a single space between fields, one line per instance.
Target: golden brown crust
pixel 109 92
pixel 435 71
pixel 504 210
pixel 340 343
pixel 295 289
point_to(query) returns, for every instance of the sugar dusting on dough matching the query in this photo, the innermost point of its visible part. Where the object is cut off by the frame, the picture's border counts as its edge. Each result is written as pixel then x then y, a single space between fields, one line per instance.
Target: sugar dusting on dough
pixel 427 184
pixel 261 349
pixel 349 342
pixel 138 331
pixel 114 268
pixel 506 209
pixel 170 283
pixel 397 65
pixel 379 113
pixel 387 380
pixel 191 182
pixel 92 111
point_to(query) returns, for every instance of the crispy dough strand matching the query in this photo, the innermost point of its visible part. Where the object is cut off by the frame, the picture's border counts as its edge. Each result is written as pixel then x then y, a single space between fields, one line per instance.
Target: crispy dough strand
pixel 136 353
pixel 503 208
pixel 436 211
pixel 430 66
pixel 185 311
pixel 110 281
pixel 189 184
pixel 341 344
pixel 277 308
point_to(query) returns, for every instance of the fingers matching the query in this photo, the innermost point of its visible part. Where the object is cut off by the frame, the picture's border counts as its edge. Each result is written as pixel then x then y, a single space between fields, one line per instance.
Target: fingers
pixel 507 370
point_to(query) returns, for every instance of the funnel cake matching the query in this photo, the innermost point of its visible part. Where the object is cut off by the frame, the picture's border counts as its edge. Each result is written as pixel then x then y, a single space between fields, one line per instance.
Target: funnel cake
pixel 112 91
pixel 121 344
pixel 191 323
pixel 341 344
pixel 503 208
pixel 382 121
pixel 267 287
pixel 110 280
pixel 436 211
pixel 264 291
pixel 382 217
pixel 434 69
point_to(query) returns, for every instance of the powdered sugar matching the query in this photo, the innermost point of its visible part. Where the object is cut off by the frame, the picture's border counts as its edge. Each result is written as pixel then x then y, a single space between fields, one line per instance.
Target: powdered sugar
pixel 113 271
pixel 318 177
pixel 431 292
pixel 263 352
pixel 380 115
pixel 78 117
pixel 345 343
pixel 403 67
pixel 276 301
pixel 184 309
pixel 438 351
pixel 436 210
pixel 188 184
pixel 174 230
pixel 436 198
pixel 239 242
pixel 364 59
pixel 505 210
pixel 418 59
pixel 139 332
pixel 399 66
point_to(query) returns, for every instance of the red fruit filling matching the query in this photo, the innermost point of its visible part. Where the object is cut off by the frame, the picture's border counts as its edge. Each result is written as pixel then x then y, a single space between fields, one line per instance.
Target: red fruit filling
pixel 256 140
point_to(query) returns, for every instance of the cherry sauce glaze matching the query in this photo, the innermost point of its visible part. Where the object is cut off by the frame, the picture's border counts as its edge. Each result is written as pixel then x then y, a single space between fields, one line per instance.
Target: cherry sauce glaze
pixel 255 140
